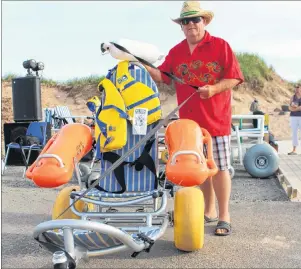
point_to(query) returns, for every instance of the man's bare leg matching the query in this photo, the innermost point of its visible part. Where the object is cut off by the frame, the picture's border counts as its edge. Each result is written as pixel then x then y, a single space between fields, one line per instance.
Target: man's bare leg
pixel 209 198
pixel 222 188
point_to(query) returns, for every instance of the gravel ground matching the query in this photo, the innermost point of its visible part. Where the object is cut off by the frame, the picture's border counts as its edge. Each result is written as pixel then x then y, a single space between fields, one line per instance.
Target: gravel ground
pixel 246 188
pixel 264 234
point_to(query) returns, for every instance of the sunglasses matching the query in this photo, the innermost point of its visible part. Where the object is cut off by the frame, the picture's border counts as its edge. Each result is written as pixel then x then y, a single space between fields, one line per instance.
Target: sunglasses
pixel 194 20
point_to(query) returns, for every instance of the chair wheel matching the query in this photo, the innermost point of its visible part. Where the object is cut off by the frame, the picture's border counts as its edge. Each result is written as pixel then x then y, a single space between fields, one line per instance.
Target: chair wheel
pixel 189 219
pixel 62 202
pixel 261 161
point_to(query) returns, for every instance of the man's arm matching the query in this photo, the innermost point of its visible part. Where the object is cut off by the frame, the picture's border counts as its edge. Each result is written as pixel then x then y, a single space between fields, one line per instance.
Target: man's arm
pixel 155 74
pixel 225 84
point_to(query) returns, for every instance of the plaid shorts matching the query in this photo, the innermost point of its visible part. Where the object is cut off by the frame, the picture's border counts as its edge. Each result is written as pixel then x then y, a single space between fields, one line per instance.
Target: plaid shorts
pixel 221 151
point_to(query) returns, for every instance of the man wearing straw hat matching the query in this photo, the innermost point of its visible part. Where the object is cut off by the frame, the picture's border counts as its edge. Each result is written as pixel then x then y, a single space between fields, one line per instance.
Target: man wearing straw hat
pixel 209 63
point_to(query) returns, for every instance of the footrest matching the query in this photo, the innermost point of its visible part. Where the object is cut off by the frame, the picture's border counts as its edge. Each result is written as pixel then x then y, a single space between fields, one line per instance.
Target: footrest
pixel 85 239
pixel 92 235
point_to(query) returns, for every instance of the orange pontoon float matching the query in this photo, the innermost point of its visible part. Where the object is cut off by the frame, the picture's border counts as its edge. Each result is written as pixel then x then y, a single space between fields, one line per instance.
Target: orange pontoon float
pixel 55 164
pixel 187 165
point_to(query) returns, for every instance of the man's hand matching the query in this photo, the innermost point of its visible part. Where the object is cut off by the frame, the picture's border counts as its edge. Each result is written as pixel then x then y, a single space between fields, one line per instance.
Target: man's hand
pixel 207 91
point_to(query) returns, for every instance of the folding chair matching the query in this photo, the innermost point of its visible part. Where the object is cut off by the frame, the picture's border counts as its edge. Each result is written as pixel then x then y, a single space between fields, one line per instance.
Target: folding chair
pixel 239 132
pixel 36 129
pixel 62 115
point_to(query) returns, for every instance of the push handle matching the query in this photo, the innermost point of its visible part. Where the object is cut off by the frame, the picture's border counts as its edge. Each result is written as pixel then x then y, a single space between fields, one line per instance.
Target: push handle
pixel 184 152
pixel 51 156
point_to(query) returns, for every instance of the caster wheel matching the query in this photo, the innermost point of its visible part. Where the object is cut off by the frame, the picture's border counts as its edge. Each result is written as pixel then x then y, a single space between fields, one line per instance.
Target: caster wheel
pixel 60 261
pixel 261 161
pixel 189 219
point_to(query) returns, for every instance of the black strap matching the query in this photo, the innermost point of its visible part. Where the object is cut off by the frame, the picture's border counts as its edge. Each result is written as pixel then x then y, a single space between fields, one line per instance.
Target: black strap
pixel 143 160
pixel 146 160
pixel 112 157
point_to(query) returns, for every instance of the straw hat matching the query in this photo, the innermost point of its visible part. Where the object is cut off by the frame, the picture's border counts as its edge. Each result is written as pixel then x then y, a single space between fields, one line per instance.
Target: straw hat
pixel 191 9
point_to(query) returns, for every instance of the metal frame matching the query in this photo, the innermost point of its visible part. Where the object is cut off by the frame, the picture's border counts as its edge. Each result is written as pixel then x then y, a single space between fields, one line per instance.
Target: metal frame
pixel 69 225
pixel 119 225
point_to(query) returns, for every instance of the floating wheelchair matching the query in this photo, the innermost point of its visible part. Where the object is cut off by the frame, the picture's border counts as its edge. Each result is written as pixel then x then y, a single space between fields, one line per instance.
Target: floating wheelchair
pixel 127 210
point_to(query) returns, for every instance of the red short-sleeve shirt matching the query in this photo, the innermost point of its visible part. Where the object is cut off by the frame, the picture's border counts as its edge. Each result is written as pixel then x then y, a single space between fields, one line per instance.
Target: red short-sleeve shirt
pixel 211 61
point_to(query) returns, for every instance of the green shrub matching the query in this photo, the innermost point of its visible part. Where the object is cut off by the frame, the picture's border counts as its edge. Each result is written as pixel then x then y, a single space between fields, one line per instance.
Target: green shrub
pixel 9 77
pixel 91 80
pixel 49 82
pixel 254 68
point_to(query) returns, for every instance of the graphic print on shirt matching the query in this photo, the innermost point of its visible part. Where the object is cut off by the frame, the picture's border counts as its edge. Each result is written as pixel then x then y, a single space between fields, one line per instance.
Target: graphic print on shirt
pixel 184 72
pixel 196 64
pixel 213 67
pixel 207 78
pixel 199 72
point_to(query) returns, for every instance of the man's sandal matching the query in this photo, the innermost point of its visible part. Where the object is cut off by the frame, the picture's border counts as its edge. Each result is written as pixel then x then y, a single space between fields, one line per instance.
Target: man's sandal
pixel 223 225
pixel 207 219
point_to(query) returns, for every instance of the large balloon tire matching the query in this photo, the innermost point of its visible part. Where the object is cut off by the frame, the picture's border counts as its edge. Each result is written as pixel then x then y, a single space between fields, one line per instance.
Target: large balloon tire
pixel 62 201
pixel 189 219
pixel 261 161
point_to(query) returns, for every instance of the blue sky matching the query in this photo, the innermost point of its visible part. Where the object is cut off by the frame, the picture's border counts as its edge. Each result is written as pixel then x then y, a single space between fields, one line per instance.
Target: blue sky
pixel 66 36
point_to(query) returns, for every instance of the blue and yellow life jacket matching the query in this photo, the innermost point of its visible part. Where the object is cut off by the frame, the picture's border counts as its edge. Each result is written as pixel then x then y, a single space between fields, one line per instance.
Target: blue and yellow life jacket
pixel 124 89
pixel 93 103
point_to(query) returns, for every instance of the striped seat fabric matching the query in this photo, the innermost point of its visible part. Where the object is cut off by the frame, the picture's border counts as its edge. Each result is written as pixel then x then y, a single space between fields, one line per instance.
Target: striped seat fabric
pixel 136 181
